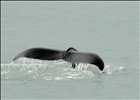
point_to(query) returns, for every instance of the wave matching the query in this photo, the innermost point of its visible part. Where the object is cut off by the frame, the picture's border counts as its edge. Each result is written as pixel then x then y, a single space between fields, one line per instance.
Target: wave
pixel 25 69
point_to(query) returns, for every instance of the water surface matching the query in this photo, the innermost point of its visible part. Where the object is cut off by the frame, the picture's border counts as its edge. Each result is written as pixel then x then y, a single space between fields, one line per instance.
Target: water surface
pixel 110 29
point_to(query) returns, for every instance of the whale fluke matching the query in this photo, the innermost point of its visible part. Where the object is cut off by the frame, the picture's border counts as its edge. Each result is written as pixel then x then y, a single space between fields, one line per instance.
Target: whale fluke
pixel 41 53
pixel 70 55
pixel 83 57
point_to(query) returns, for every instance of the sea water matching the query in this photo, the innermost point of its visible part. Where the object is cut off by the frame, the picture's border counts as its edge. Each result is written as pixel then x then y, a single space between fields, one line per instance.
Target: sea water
pixel 108 28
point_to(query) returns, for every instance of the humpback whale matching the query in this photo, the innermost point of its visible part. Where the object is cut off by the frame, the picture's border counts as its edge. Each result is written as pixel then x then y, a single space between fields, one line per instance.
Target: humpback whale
pixel 70 55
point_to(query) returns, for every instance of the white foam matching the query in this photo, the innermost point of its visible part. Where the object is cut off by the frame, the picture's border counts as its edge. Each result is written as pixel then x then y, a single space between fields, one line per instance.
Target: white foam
pixel 31 69
pixel 113 69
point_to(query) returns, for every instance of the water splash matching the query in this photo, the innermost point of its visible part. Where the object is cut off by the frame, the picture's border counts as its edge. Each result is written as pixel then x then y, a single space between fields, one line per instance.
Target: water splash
pixel 25 69
pixel 31 69
pixel 114 69
pixel 109 68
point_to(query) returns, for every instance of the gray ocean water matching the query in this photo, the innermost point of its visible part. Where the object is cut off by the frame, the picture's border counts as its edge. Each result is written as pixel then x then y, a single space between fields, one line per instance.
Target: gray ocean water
pixel 108 28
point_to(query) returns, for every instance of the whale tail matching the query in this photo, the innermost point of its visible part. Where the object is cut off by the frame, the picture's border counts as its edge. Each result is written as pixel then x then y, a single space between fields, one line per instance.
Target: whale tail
pixel 71 55
pixel 15 58
pixel 41 53
pixel 82 57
